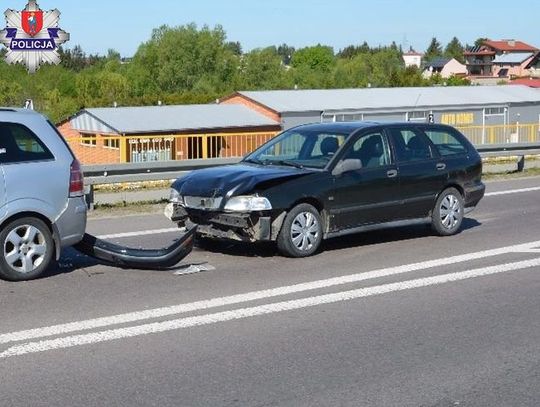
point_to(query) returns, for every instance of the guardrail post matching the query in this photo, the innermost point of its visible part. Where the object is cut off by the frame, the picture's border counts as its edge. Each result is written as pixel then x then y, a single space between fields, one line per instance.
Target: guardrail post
pixel 521 163
pixel 89 196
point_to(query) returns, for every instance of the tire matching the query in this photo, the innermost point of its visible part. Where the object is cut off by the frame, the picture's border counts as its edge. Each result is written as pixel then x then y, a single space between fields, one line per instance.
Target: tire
pixel 301 234
pixel 27 249
pixel 448 213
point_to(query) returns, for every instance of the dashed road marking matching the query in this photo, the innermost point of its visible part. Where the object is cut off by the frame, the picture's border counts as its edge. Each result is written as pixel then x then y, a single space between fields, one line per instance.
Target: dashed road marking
pixel 158 327
pixel 256 295
pixel 513 191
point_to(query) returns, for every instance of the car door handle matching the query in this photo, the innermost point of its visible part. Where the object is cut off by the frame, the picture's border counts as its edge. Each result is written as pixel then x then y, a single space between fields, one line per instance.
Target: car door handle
pixel 392 174
pixel 441 166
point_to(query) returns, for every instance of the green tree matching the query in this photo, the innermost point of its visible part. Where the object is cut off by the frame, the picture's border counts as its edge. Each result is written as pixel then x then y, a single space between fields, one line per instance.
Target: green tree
pixel 434 50
pixel 235 47
pixel 454 49
pixel 286 53
pixel 183 58
pixel 262 69
pixel 318 58
pixel 480 41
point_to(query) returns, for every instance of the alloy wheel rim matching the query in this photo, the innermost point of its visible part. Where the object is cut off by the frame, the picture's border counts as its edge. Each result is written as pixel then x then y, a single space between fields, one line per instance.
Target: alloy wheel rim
pixel 450 211
pixel 25 248
pixel 305 231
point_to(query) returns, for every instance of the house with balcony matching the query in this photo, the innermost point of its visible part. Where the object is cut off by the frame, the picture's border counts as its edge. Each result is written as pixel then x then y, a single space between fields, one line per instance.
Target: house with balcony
pixel 516 65
pixel 487 59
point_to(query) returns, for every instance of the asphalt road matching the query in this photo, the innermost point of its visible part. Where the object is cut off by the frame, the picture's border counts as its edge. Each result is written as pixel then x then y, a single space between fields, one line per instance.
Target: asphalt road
pixel 390 318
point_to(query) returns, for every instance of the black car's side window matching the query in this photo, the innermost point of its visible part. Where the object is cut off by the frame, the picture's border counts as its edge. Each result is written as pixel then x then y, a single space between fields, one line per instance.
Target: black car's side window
pixel 19 144
pixel 446 143
pixel 410 145
pixel 371 149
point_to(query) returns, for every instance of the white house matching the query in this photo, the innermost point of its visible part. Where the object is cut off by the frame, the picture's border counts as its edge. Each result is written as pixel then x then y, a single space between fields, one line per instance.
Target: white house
pixel 412 58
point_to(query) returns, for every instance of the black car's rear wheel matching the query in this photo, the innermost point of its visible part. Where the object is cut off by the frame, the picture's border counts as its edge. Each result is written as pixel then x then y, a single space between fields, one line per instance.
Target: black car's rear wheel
pixel 448 213
pixel 28 249
pixel 301 234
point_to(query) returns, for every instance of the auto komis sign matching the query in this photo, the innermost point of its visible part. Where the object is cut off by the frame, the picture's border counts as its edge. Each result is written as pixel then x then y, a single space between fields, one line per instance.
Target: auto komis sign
pixel 32 37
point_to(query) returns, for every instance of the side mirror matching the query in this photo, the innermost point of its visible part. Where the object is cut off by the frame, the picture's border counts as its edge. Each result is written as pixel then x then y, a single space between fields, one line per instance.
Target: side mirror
pixel 346 166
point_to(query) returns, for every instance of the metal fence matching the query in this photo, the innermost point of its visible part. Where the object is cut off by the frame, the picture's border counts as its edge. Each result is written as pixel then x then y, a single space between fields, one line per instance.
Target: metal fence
pixel 502 134
pixel 97 149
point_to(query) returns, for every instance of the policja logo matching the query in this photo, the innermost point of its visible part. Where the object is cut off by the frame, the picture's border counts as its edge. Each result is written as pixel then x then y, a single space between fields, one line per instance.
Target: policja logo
pixel 32 36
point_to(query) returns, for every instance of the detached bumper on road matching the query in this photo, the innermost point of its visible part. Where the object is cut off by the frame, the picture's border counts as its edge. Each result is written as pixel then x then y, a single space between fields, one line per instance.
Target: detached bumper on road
pixel 138 258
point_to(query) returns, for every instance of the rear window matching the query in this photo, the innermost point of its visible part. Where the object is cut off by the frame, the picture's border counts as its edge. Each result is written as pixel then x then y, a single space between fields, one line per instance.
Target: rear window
pixel 19 144
pixel 446 143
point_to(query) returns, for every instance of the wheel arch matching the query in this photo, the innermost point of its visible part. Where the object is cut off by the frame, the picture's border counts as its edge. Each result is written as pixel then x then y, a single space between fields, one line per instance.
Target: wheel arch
pixel 317 204
pixel 454 185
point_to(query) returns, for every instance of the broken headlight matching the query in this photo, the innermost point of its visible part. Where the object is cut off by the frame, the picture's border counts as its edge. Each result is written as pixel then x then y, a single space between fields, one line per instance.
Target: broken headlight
pixel 175 197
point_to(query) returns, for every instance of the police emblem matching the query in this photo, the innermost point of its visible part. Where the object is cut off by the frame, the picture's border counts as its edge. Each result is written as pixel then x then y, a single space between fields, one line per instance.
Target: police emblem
pixel 32 37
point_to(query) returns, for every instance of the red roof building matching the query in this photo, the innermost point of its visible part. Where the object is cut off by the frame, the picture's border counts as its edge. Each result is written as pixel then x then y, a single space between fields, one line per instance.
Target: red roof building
pixel 533 83
pixel 508 46
pixel 479 59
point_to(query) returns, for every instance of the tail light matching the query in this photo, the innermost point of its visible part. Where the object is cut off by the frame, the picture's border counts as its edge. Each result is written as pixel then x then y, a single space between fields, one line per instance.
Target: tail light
pixel 76 180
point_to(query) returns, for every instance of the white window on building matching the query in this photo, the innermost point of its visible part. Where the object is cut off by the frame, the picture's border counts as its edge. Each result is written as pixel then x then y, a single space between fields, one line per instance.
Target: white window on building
pixel 418 116
pixel 494 111
pixel 89 140
pixel 113 143
pixel 342 117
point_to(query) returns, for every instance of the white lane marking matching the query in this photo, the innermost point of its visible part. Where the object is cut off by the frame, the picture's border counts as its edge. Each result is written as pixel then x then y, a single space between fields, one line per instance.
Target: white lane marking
pixel 256 295
pixel 157 327
pixel 139 233
pixel 513 191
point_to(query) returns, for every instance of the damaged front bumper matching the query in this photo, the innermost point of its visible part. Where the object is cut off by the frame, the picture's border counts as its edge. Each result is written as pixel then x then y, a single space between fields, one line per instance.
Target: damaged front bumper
pixel 138 258
pixel 245 227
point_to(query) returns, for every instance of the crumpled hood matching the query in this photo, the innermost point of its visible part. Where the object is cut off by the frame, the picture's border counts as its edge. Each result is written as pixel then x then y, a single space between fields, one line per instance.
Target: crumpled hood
pixel 239 178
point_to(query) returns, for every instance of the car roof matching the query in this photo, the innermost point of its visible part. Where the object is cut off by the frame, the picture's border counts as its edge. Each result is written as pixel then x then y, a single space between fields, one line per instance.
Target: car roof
pixel 18 110
pixel 349 127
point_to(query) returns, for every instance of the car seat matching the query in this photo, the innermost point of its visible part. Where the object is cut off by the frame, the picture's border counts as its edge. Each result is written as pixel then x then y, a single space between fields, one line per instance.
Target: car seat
pixel 417 149
pixel 329 146
pixel 371 152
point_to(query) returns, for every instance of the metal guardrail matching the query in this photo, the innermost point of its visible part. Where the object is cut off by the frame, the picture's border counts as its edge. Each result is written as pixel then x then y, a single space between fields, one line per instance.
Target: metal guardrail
pixel 157 171
pixel 170 170
pixel 153 171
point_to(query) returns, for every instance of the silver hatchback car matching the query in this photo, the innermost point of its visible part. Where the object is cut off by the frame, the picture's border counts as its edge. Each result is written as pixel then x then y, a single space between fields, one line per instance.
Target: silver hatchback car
pixel 42 204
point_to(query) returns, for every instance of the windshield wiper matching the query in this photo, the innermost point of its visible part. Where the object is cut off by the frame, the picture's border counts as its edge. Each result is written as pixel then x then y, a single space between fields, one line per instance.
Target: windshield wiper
pixel 254 161
pixel 289 163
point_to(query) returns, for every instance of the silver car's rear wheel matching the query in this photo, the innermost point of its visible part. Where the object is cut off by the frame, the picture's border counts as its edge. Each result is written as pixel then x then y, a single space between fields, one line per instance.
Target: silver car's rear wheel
pixel 27 249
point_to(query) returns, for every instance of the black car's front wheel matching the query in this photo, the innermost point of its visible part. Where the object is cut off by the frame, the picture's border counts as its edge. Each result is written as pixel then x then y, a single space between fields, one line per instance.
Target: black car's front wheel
pixel 448 213
pixel 302 232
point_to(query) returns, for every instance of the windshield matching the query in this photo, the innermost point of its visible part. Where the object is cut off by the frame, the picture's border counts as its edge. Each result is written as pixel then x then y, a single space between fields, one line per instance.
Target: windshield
pixel 299 148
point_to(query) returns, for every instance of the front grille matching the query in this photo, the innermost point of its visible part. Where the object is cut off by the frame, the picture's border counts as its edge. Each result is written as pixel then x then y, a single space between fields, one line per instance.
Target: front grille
pixel 203 203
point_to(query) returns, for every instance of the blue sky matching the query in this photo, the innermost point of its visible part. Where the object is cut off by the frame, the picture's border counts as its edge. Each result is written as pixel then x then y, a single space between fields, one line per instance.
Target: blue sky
pixel 98 25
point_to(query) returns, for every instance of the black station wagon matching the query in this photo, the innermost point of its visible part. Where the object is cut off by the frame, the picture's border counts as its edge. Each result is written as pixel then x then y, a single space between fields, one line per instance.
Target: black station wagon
pixel 324 180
